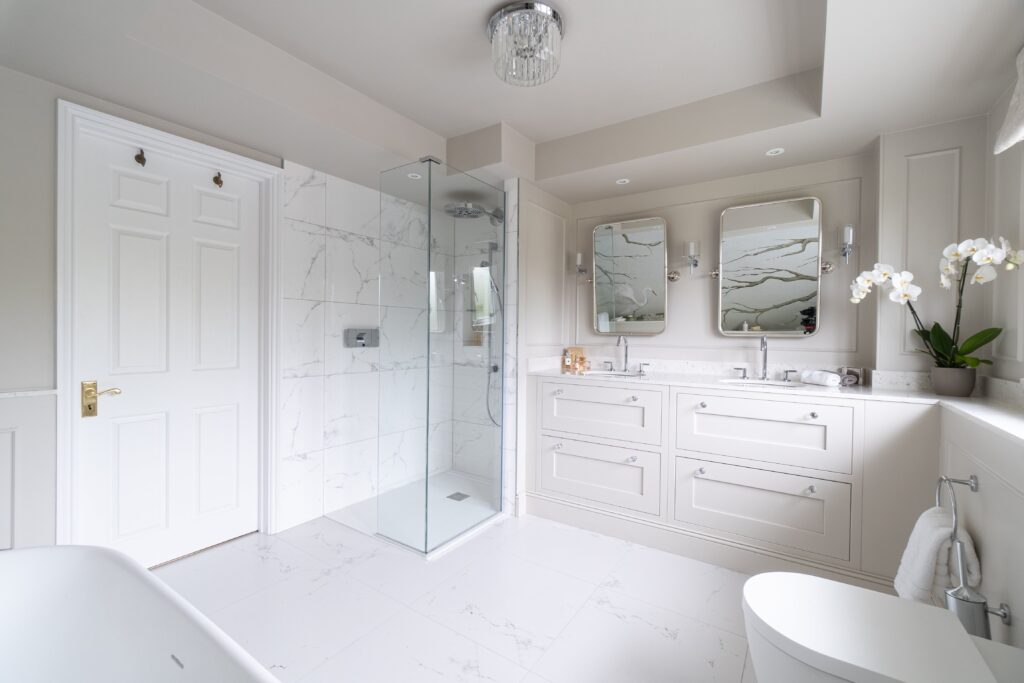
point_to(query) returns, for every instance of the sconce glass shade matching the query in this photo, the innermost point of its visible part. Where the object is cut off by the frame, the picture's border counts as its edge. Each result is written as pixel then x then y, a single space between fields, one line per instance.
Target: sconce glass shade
pixel 526 43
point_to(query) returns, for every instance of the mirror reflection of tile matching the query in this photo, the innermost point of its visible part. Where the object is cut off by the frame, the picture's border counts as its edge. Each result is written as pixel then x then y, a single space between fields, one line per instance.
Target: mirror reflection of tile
pixel 629 277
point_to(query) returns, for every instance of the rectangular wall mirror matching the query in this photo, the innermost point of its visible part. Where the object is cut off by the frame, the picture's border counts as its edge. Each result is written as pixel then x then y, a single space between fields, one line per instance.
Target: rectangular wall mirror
pixel 630 277
pixel 770 269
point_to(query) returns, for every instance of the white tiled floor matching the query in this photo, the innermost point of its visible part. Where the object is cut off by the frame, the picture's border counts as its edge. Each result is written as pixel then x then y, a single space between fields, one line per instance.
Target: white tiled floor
pixel 528 601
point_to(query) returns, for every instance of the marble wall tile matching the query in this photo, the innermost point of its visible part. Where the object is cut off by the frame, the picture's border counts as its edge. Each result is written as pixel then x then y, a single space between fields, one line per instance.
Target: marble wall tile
pixel 350 408
pixel 403 338
pixel 350 474
pixel 403 222
pixel 404 395
pixel 301 416
pixel 303 261
pixel 353 208
pixel 402 458
pixel 300 487
pixel 472 393
pixel 352 270
pixel 440 443
pixel 339 358
pixel 403 275
pixel 477 449
pixel 305 194
pixel 302 338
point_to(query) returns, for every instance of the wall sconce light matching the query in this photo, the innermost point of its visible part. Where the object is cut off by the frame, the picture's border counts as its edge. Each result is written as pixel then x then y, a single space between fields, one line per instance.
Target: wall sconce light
pixel 846 242
pixel 581 270
pixel 692 255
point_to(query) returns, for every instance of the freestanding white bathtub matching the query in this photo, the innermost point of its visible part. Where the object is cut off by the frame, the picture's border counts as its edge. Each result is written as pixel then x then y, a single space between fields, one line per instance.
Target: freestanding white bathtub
pixel 82 614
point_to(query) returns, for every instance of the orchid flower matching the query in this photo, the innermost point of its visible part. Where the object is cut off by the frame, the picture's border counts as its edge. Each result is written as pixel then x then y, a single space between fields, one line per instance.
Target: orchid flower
pixel 902 279
pixel 968 248
pixel 983 274
pixel 902 295
pixel 944 281
pixel 953 253
pixel 882 272
pixel 989 254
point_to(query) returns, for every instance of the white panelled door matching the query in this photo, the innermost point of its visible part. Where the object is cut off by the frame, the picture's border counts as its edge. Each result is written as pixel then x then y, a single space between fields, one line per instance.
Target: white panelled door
pixel 165 308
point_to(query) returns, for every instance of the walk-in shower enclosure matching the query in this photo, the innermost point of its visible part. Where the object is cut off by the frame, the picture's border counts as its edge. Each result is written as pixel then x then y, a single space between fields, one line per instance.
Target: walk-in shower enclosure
pixel 442 249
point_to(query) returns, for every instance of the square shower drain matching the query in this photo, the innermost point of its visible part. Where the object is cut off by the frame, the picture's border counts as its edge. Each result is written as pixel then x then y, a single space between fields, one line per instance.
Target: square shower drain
pixel 458 496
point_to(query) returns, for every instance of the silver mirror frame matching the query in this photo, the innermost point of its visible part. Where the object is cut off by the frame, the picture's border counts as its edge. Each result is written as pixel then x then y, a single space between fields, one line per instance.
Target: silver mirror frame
pixel 721 280
pixel 593 279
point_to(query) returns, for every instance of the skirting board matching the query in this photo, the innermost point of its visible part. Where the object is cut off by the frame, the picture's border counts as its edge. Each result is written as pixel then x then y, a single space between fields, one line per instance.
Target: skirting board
pixel 746 559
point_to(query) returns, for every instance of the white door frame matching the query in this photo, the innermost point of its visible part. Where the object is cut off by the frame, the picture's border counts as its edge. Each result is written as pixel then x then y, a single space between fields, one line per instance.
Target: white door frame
pixel 72 118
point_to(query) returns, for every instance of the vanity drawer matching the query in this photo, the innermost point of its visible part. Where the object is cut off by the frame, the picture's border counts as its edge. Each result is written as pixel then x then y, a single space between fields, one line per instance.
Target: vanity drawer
pixel 610 475
pixel 801 434
pixel 783 509
pixel 625 414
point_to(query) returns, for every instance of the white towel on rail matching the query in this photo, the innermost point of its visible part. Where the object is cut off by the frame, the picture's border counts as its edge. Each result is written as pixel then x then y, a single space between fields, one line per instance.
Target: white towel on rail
pixel 929 566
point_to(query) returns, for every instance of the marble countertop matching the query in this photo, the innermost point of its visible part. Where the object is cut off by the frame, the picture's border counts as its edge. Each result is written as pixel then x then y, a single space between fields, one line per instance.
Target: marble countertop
pixel 1006 417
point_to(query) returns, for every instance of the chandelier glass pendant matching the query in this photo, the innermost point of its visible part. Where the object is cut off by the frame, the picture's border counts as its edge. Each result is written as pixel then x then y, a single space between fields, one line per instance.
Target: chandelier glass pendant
pixel 526 42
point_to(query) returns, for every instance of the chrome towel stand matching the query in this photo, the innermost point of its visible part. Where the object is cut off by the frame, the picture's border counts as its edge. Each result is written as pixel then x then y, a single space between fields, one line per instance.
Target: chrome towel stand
pixel 969 605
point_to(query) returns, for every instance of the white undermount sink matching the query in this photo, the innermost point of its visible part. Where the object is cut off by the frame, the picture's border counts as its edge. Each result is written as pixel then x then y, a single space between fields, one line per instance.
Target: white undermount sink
pixel 760 382
pixel 611 373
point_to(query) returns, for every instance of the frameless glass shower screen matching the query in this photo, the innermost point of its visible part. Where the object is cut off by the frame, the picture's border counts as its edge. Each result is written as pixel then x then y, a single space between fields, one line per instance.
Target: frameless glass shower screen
pixel 442 279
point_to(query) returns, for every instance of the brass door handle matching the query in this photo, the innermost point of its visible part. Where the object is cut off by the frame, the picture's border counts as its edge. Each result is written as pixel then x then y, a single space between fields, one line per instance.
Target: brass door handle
pixel 90 398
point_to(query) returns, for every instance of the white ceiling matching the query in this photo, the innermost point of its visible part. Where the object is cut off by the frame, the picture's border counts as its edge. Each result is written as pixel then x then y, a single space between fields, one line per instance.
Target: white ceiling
pixel 430 60
pixel 353 87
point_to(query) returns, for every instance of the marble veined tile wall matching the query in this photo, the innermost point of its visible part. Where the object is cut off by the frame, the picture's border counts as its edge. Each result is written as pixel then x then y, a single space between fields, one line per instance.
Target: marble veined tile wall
pixel 351 259
pixel 327 451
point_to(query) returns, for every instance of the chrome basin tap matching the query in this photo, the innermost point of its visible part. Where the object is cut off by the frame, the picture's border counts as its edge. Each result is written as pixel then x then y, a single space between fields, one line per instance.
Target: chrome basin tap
pixel 622 341
pixel 764 358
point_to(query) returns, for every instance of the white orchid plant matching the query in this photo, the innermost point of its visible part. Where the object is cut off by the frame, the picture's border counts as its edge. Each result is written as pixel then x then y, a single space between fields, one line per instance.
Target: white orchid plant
pixel 946 349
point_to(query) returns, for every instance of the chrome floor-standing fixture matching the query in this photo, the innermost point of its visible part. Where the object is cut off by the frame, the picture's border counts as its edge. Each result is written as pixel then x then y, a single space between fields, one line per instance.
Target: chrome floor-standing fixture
pixel 526 42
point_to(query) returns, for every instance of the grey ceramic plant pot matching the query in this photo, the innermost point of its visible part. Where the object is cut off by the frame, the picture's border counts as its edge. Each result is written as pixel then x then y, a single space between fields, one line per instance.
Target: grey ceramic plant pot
pixel 953 381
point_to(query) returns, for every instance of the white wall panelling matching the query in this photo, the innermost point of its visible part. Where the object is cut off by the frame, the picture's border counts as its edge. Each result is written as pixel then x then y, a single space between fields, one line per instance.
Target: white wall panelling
pixel 1005 185
pixel 28 427
pixel 993 514
pixel 931 193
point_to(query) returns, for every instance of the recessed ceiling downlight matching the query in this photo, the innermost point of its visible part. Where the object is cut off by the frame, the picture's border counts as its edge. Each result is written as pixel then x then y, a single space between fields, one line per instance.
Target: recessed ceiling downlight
pixel 622 181
pixel 414 176
pixel 775 151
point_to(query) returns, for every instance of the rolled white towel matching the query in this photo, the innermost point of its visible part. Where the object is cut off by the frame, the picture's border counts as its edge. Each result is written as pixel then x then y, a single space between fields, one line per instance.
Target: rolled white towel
pixel 822 377
pixel 928 567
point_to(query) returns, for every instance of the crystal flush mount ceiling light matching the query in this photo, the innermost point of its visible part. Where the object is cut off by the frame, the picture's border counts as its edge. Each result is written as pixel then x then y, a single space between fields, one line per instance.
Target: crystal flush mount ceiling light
pixel 526 42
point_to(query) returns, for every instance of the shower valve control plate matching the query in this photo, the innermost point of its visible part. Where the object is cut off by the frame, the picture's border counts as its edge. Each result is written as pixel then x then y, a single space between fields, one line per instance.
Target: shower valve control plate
pixel 362 338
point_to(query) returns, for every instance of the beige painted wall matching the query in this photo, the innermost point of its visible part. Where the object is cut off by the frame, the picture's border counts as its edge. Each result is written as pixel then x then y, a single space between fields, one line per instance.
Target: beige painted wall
pixel 847 190
pixel 28 138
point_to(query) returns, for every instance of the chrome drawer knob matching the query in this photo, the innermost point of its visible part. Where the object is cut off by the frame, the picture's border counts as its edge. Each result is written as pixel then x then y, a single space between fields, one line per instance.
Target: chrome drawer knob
pixel 632 458
pixel 814 415
pixel 812 489
pixel 558 392
pixel 703 404
pixel 701 470
pixel 634 398
pixel 557 447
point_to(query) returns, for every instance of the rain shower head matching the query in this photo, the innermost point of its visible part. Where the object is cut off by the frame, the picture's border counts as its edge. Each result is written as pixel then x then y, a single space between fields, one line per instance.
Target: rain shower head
pixel 464 210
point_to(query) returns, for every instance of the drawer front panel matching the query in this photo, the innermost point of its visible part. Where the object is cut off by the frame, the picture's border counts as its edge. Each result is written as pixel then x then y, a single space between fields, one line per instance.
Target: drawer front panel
pixel 789 433
pixel 611 413
pixel 782 509
pixel 604 474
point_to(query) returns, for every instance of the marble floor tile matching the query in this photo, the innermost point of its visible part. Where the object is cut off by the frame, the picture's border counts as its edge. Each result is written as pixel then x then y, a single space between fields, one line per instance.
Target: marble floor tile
pixel 509 605
pixel 567 549
pixel 335 545
pixel 296 625
pixel 410 647
pixel 689 587
pixel 615 638
pixel 228 572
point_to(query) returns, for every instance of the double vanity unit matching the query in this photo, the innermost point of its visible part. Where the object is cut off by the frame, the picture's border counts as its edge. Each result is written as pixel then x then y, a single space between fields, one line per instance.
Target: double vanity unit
pixel 736 474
